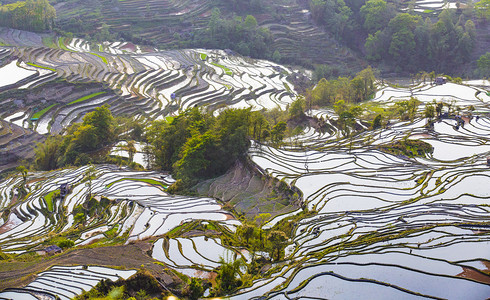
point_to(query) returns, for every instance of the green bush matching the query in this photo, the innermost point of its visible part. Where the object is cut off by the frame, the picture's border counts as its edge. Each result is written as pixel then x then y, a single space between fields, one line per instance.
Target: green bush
pixel 65 243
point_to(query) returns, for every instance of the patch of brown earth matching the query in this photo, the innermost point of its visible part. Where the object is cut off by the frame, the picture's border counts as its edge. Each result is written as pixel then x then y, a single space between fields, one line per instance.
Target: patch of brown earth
pixel 14 274
pixel 475 275
pixel 250 192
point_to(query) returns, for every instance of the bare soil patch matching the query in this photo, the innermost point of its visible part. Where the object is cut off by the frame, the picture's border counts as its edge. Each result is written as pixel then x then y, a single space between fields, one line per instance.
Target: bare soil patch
pixel 15 274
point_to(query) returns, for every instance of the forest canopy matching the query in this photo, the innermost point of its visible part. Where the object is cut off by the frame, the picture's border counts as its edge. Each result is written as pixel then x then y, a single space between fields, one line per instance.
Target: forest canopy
pixel 33 15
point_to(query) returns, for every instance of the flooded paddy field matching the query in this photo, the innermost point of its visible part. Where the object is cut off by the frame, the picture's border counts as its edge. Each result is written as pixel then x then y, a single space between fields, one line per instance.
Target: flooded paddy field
pixel 384 225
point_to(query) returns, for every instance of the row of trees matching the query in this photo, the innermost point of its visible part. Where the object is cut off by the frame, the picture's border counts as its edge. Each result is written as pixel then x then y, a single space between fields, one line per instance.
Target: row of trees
pixel 414 44
pixel 33 15
pixel 242 5
pixel 197 145
pixel 328 92
pixel 194 145
pixel 402 39
pixel 239 34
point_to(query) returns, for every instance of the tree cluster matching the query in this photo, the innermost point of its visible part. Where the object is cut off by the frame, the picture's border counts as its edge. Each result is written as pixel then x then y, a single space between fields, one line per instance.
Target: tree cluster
pixel 328 92
pixel 484 65
pixel 335 15
pixel 242 35
pixel 196 145
pixel 73 148
pixel 32 15
pixel 402 39
pixel 415 44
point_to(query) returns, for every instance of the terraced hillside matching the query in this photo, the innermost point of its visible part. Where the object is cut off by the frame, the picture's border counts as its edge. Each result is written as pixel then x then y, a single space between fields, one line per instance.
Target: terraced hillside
pixel 136 207
pixel 165 23
pixel 47 89
pixel 152 85
pixel 61 282
pixel 386 225
pixel 390 226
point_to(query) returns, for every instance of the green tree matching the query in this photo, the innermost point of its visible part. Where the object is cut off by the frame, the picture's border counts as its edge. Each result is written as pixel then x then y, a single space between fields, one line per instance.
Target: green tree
pixel 102 120
pixel 23 171
pixel 422 43
pixel 86 138
pixel 297 109
pixel 429 111
pixel 246 231
pixel 378 121
pixel 227 276
pixel 484 65
pixel 47 153
pixel 130 147
pixel 403 21
pixel 250 22
pixel 196 289
pixel 278 131
pixel 363 84
pixel 194 160
pixel 482 9
pixel 90 174
pixel 277 241
pixel 402 46
pixel 407 109
pixel 258 123
pixel 276 56
pixel 33 15
pixel 375 14
pixel 376 45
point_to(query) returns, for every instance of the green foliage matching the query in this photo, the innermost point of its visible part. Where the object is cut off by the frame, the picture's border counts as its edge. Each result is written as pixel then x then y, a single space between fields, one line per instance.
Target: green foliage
pixel 411 44
pixel 40 113
pixel 79 218
pixel 140 286
pixel 101 119
pixel 65 243
pixel 276 241
pixel 407 109
pixel 32 15
pixel 278 132
pixel 90 209
pixel 297 109
pixel 325 71
pixel 276 56
pixel 196 145
pixel 376 15
pixel 47 153
pixel 429 111
pixel 50 197
pixel 240 35
pixel 484 65
pixel 482 9
pixel 95 131
pixel 23 171
pixel 377 122
pixel 227 280
pixel 86 97
pixel 334 15
pixel 358 89
pixel 194 290
pixel 410 148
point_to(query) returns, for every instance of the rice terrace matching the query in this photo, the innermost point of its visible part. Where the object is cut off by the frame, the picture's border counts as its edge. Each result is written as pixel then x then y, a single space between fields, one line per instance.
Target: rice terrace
pixel 224 149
